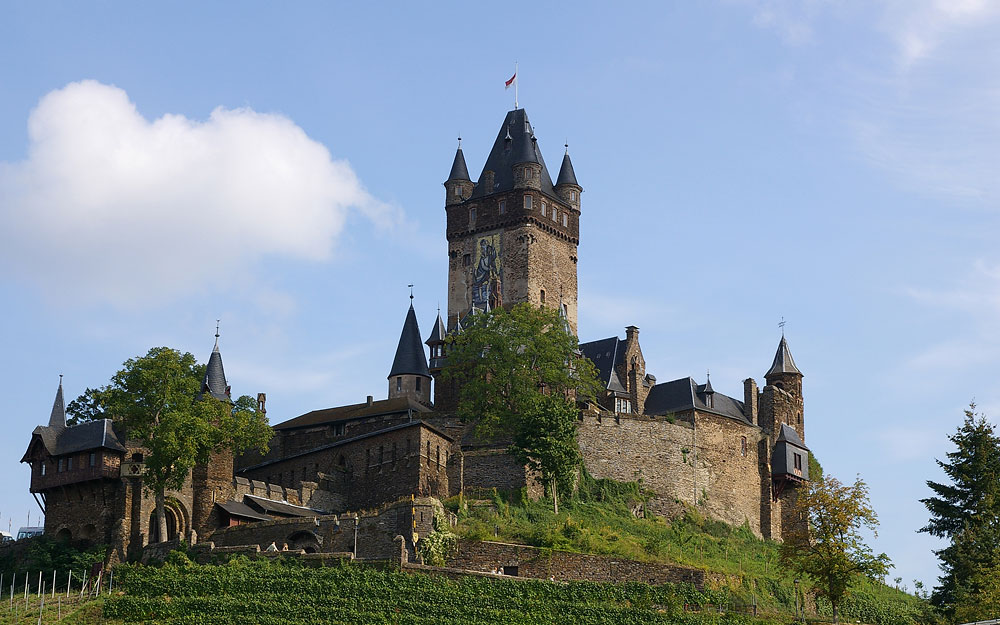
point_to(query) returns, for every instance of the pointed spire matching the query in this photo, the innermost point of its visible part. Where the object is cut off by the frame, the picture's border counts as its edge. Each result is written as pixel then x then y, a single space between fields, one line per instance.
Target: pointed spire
pixel 527 152
pixel 459 171
pixel 410 357
pixel 515 143
pixel 439 332
pixel 708 383
pixel 566 173
pixel 215 375
pixel 783 362
pixel 58 417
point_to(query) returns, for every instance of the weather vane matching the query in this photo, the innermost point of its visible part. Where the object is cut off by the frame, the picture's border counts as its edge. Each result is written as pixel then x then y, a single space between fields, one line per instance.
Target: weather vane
pixel 781 324
pixel 411 290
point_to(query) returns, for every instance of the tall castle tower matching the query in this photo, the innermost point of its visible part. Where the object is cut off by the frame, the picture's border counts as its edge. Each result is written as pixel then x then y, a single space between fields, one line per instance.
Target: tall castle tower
pixel 512 236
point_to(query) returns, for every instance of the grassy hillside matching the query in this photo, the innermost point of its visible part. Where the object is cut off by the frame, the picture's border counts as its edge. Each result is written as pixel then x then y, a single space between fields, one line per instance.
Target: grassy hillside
pixel 743 568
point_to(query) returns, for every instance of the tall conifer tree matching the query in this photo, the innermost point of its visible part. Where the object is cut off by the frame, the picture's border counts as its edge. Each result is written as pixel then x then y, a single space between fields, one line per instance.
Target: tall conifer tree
pixel 966 512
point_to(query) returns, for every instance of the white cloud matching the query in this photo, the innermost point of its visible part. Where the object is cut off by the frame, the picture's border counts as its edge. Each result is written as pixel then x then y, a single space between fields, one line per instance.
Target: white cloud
pixel 111 206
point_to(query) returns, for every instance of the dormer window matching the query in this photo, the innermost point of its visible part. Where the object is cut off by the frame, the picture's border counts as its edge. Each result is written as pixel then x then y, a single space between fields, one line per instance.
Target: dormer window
pixel 527 202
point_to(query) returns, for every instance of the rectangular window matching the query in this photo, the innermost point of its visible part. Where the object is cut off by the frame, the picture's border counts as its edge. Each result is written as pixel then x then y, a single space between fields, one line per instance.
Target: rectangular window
pixel 554 215
pixel 743 446
pixel 527 202
pixel 798 462
pixel 472 215
pixel 527 173
pixel 338 429
pixel 69 463
pixel 399 384
pixel 565 221
pixel 543 208
pixel 93 459
pixel 466 260
pixel 503 207
pixel 43 467
pixel 428 453
pixel 572 196
pixel 59 467
pixel 417 384
pixel 458 191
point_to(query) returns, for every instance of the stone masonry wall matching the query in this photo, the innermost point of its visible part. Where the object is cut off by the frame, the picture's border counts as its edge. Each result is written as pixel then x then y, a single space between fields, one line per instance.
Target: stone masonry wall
pixel 681 464
pixel 566 566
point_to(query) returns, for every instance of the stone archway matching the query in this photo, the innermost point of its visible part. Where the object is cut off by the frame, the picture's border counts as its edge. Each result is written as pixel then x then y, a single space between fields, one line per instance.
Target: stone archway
pixel 178 522
pixel 305 540
pixel 64 535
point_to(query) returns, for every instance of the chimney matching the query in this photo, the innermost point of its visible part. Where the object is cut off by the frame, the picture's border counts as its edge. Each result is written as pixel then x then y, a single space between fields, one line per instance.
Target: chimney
pixel 750 400
pixel 370 400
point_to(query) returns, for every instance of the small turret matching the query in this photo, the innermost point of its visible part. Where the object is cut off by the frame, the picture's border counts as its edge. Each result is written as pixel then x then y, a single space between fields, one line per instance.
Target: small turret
pixel 458 186
pixel 409 375
pixel 709 392
pixel 783 372
pixel 527 161
pixel 215 375
pixel 436 344
pixel 566 185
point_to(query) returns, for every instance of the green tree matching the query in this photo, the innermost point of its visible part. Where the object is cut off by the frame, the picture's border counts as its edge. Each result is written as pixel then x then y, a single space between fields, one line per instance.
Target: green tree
pixel 966 512
pixel 827 548
pixel 155 398
pixel 519 376
pixel 92 403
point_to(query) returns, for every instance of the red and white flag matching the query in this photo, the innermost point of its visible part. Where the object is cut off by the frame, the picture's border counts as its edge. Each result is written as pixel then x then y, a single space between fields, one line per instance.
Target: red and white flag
pixel 510 82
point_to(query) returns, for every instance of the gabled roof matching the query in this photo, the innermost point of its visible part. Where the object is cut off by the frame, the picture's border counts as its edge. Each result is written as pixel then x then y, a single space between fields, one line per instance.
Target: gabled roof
pixel 280 508
pixel 458 169
pixel 788 435
pixel 410 357
pixel 439 332
pixel 566 173
pixel 783 362
pixel 396 405
pixel 514 144
pixel 686 394
pixel 240 509
pixel 59 441
pixel 606 354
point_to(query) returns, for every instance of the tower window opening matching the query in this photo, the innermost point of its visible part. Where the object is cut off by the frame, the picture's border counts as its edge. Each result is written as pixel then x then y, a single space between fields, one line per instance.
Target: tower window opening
pixel 541 295
pixel 93 459
pixel 339 429
pixel 572 196
pixel 458 191
pixel 59 467
pixel 428 453
pixel 527 202
pixel 743 446
pixel 472 215
pixel 43 467
pixel 503 207
pixel 527 173
pixel 554 217
pixel 417 384
pixel 69 463
pixel 566 310
pixel 466 260
pixel 399 384
pixel 798 462
pixel 565 220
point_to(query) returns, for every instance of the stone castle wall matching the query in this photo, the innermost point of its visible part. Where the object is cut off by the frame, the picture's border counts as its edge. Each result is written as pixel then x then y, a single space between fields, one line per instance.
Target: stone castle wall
pixel 704 466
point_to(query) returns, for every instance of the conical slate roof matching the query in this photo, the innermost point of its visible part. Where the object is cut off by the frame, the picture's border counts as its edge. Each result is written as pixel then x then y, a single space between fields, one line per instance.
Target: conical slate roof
pixel 410 357
pixel 789 435
pixel 515 144
pixel 566 173
pixel 215 376
pixel 57 419
pixel 458 169
pixel 439 332
pixel 783 362
pixel 708 386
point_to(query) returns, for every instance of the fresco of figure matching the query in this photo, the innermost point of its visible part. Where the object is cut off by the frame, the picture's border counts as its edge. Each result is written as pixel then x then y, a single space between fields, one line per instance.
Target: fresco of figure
pixel 486 279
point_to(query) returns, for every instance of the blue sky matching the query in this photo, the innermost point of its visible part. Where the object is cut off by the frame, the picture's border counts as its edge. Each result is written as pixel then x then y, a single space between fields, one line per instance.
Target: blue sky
pixel 280 168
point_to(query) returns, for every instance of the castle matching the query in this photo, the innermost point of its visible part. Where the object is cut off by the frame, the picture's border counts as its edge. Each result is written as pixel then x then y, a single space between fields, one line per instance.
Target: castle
pixel 512 237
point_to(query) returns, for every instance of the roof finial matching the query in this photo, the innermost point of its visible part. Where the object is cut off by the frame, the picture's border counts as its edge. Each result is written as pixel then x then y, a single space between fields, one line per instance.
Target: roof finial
pixel 566 145
pixel 411 292
pixel 60 379
pixel 459 141
pixel 781 324
pixel 217 332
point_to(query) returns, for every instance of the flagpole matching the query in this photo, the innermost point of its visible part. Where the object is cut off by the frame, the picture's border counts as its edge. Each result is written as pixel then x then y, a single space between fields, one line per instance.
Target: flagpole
pixel 515 85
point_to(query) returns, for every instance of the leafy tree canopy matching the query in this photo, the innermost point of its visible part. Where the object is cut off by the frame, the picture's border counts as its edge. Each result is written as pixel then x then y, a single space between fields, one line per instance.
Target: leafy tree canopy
pixel 156 398
pixel 828 548
pixel 519 375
